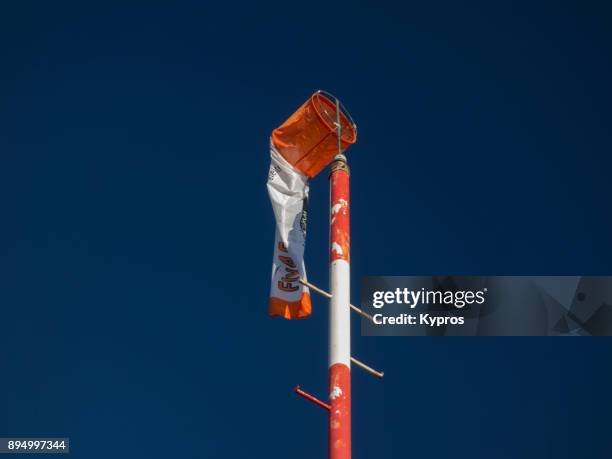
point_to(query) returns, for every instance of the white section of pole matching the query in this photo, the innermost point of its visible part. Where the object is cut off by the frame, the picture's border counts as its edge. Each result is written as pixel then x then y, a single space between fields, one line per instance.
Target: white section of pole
pixel 340 314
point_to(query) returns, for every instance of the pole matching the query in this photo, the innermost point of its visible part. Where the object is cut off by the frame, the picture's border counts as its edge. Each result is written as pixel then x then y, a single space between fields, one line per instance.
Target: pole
pixel 339 310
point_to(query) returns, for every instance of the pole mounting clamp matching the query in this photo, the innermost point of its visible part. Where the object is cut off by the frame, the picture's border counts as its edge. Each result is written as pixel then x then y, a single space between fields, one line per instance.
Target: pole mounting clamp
pixel 340 164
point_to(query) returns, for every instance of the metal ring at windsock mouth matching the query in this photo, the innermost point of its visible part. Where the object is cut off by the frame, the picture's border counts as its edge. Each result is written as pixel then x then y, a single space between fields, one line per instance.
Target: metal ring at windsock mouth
pixel 343 112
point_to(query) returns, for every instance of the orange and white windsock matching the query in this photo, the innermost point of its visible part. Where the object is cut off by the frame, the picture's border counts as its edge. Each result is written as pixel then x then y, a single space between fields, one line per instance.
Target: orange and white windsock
pixel 288 190
pixel 299 149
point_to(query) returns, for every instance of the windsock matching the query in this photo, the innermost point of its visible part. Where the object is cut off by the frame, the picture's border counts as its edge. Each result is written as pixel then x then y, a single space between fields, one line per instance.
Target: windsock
pixel 288 190
pixel 299 149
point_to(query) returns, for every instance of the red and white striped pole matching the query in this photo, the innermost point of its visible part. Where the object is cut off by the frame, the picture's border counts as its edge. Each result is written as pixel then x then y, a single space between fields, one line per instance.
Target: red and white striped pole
pixel 339 311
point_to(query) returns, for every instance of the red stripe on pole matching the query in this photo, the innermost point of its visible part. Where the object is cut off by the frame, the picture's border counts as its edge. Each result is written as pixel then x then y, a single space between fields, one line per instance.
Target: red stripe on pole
pixel 340 228
pixel 340 412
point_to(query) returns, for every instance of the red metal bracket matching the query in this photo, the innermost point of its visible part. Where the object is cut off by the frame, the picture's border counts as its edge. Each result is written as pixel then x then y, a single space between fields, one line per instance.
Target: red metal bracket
pixel 309 397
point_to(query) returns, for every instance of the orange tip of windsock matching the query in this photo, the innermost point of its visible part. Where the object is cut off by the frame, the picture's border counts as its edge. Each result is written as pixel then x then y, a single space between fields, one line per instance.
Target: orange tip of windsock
pixel 291 309
pixel 308 140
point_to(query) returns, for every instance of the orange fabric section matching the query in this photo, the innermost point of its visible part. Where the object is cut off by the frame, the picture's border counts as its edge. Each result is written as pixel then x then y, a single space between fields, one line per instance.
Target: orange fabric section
pixel 308 140
pixel 291 310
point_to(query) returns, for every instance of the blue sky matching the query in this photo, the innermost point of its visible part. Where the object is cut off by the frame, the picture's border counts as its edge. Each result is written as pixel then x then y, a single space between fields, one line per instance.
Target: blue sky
pixel 136 236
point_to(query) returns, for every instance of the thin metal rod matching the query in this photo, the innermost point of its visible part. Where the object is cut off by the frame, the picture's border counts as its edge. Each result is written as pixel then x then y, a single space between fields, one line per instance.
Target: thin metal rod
pixel 339 126
pixel 327 295
pixel 309 397
pixel 363 366
pixel 316 289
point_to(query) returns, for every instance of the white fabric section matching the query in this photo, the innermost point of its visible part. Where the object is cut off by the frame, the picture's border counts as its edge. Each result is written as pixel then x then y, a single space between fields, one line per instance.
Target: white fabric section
pixel 288 191
pixel 340 314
